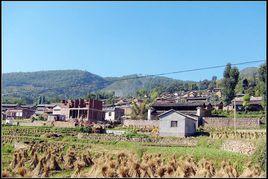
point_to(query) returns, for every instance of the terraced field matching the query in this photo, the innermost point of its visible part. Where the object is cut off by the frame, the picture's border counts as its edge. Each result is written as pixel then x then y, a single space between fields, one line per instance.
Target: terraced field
pixel 39 152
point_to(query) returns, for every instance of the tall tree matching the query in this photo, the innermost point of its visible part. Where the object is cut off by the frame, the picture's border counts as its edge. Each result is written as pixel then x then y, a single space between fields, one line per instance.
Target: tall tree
pixel 212 83
pixel 262 82
pixel 230 80
pixel 139 111
pixel 246 100
pixel 245 84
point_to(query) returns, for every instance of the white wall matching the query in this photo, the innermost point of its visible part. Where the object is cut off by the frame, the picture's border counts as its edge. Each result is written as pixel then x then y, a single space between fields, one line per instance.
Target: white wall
pixel 57 110
pixel 165 128
pixel 111 117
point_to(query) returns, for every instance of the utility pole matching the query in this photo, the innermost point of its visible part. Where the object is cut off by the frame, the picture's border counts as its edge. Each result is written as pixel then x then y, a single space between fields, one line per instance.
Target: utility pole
pixel 235 117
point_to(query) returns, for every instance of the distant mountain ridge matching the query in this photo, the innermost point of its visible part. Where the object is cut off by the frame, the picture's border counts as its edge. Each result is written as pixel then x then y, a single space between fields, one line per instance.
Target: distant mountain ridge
pixel 73 84
pixel 249 72
pixel 78 83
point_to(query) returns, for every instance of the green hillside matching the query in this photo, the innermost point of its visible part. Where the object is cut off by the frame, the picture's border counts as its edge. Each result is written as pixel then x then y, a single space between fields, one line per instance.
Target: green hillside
pixel 60 84
pixel 56 83
pixel 249 72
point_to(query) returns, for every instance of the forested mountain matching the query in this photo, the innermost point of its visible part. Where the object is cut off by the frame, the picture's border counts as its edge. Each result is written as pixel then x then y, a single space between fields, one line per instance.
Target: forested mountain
pixel 59 84
pixel 52 84
pixel 128 85
pixel 249 72
pixel 27 87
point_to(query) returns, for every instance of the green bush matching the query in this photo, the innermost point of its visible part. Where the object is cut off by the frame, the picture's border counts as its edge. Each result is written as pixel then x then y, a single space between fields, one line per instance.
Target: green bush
pixel 135 135
pixel 259 156
pixel 8 148
pixel 85 129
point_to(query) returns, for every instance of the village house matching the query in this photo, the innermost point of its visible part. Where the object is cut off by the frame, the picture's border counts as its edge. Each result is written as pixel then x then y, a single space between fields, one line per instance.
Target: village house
pixel 197 99
pixel 125 105
pixel 44 109
pixel 113 114
pixel 254 103
pixel 83 110
pixel 187 107
pixel 217 91
pixel 18 111
pixel 177 124
pixel 56 114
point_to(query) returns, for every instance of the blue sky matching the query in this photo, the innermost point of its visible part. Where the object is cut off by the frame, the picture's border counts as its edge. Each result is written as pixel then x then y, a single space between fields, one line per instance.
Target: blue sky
pixel 121 38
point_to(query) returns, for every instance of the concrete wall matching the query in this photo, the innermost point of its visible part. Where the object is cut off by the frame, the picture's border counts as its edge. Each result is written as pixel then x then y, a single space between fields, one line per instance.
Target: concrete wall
pixel 229 122
pixel 57 110
pixel 165 128
pixel 141 123
pixel 190 127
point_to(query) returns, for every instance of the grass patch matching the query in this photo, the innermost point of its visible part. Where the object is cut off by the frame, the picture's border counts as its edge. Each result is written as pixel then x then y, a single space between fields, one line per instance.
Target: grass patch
pixel 259 156
pixel 209 142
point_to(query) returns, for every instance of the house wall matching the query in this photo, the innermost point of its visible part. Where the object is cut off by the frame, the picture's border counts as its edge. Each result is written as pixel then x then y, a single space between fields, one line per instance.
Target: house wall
pixel 110 117
pixel 118 113
pixel 190 127
pixel 229 122
pixel 141 123
pixel 127 110
pixel 57 110
pixel 65 112
pixel 27 113
pixel 20 113
pixel 165 128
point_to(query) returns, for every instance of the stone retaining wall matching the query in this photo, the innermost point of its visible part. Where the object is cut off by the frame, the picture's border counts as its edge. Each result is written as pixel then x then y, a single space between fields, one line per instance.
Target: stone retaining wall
pixel 45 123
pixel 229 122
pixel 141 123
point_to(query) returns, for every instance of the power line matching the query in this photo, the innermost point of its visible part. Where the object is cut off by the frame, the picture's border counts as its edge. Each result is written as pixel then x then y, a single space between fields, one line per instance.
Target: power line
pixel 159 74
pixel 190 70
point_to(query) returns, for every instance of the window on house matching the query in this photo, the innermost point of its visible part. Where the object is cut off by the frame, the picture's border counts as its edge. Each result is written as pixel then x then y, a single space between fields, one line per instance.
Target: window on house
pixel 110 113
pixel 174 123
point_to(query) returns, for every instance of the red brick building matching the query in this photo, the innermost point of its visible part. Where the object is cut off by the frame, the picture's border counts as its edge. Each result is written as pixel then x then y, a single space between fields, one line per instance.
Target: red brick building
pixel 81 109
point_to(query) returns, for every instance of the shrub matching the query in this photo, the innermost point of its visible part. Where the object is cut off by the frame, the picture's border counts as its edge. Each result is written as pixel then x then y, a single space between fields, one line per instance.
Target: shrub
pixel 259 156
pixel 135 135
pixel 85 129
pixel 8 148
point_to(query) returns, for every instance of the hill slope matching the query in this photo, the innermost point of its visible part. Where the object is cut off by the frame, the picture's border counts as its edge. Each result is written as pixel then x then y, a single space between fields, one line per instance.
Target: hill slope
pixel 123 87
pixel 249 72
pixel 76 84
pixel 60 83
pixel 73 84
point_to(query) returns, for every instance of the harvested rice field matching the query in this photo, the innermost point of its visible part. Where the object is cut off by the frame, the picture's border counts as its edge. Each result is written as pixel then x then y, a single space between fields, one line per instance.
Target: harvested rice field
pixel 39 152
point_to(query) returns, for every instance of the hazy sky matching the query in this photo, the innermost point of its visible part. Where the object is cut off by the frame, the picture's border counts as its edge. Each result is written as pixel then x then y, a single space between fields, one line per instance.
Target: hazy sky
pixel 121 38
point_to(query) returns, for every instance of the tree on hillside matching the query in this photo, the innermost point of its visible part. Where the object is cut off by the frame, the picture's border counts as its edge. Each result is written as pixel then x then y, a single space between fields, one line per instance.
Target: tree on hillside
pixel 154 95
pixel 41 100
pixel 141 93
pixel 230 80
pixel 212 83
pixel 193 86
pixel 261 83
pixel 204 84
pixel 92 96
